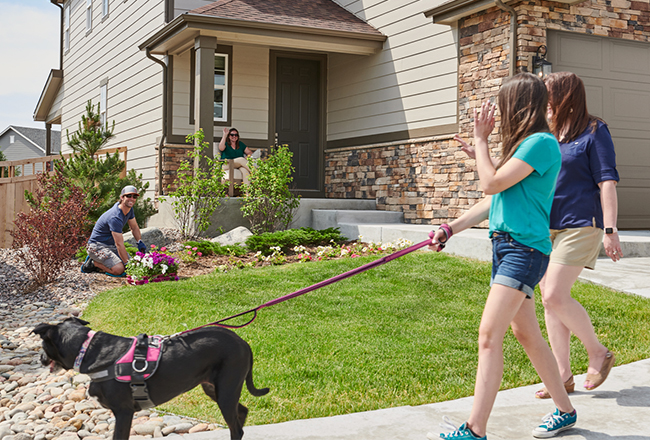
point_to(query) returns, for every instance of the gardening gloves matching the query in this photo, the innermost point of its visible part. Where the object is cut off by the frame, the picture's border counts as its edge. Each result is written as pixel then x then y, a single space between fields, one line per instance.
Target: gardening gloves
pixel 141 247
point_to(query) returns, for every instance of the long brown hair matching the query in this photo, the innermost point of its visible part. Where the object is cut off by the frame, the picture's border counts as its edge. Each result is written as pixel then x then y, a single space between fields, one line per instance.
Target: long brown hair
pixel 522 103
pixel 568 101
pixel 236 146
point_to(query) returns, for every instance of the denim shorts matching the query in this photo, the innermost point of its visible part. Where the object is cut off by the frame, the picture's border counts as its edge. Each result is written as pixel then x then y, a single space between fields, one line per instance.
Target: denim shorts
pixel 516 265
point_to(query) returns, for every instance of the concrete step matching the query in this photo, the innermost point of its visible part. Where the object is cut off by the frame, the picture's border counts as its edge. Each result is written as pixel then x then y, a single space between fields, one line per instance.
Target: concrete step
pixel 332 218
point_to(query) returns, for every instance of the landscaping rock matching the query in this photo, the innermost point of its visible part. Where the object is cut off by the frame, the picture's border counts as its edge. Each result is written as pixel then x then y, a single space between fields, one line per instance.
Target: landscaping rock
pixel 235 236
pixel 149 236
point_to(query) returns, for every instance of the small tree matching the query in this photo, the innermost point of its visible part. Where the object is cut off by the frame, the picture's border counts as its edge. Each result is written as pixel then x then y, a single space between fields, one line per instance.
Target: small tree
pixel 4 171
pixel 268 203
pixel 198 192
pixel 99 176
pixel 91 135
pixel 54 229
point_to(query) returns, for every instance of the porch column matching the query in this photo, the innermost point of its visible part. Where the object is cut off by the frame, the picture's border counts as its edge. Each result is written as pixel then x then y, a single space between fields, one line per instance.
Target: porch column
pixel 48 139
pixel 204 92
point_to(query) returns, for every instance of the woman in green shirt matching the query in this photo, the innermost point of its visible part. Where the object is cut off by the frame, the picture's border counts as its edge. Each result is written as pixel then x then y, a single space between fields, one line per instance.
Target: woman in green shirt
pixel 232 148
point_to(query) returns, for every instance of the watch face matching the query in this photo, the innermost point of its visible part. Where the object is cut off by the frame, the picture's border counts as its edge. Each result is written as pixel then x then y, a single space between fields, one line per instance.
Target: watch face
pixel 609 230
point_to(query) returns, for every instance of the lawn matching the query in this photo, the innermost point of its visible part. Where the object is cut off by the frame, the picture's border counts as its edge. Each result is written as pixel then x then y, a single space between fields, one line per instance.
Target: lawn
pixel 400 334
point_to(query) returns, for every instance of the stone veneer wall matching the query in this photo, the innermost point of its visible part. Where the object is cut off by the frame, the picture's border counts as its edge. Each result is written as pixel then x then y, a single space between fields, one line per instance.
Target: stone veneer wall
pixel 172 157
pixel 428 179
pixel 432 181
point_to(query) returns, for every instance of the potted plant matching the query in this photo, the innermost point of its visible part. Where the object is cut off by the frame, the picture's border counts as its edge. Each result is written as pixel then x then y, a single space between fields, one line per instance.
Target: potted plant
pixel 152 267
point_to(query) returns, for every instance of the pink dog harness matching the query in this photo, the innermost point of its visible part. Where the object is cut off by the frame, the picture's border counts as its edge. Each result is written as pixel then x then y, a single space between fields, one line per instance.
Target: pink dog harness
pixel 139 365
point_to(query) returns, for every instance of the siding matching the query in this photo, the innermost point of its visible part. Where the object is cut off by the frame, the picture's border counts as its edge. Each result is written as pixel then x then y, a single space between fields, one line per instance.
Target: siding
pixel 250 93
pixel 110 51
pixel 411 84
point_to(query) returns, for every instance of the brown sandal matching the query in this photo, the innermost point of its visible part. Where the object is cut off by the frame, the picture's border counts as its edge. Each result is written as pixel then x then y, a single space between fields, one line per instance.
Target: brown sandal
pixel 569 386
pixel 598 378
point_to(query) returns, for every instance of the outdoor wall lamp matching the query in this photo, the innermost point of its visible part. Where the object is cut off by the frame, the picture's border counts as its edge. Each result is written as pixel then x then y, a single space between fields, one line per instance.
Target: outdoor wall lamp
pixel 541 66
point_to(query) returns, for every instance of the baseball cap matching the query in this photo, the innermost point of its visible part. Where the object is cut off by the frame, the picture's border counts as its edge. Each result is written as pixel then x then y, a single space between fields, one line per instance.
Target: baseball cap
pixel 129 189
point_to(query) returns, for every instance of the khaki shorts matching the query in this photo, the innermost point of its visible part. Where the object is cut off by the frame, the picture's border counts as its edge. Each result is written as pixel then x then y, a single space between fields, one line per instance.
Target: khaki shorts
pixel 576 246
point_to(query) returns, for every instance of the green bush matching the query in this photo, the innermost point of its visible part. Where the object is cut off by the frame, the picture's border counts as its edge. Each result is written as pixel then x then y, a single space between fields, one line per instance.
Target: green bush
pixel 268 203
pixel 293 237
pixel 207 247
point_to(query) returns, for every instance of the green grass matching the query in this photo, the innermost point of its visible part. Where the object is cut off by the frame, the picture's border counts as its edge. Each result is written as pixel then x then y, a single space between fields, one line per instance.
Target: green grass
pixel 401 334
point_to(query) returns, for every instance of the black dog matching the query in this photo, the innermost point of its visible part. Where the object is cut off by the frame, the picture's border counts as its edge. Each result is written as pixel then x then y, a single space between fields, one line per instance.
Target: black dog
pixel 214 357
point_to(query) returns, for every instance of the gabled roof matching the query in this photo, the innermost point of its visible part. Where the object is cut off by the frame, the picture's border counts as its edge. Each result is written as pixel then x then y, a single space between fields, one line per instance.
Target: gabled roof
pixel 311 25
pixel 318 14
pixel 37 137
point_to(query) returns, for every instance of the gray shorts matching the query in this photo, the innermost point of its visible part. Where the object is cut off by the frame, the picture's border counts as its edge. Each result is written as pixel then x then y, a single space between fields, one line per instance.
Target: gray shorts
pixel 104 254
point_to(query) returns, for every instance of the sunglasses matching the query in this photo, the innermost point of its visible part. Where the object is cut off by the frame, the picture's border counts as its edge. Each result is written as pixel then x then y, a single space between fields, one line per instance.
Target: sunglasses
pixel 234 134
pixel 131 196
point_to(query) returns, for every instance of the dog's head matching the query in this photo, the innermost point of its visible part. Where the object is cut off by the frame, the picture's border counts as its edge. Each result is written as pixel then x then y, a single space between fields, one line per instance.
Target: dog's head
pixel 61 342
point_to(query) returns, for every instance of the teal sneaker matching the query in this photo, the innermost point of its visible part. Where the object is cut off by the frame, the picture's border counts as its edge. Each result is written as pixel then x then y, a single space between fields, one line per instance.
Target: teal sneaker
pixel 461 433
pixel 554 423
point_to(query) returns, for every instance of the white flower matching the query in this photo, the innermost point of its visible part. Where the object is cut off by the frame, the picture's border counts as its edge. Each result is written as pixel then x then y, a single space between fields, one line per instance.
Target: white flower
pixel 164 268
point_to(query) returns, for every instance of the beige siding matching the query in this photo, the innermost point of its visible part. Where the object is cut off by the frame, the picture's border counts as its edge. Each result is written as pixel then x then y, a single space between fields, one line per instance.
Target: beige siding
pixel 411 84
pixel 250 91
pixel 110 51
pixel 181 95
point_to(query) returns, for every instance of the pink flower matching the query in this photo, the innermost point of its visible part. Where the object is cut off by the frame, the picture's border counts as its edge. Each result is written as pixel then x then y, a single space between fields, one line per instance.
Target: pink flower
pixel 153 246
pixel 194 248
pixel 199 254
pixel 189 252
pixel 163 249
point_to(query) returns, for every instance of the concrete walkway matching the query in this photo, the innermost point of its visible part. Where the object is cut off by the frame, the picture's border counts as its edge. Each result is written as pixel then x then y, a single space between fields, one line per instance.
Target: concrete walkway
pixel 618 410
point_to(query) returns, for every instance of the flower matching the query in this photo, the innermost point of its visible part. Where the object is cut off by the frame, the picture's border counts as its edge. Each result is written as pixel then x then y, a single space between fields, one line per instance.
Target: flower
pixel 143 267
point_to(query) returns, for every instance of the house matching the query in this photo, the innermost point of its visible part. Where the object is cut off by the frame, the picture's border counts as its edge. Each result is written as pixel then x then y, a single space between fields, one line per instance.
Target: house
pixel 18 143
pixel 367 93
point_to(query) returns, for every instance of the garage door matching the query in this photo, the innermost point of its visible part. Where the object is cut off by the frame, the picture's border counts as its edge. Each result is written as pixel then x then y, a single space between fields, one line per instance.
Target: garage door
pixel 616 74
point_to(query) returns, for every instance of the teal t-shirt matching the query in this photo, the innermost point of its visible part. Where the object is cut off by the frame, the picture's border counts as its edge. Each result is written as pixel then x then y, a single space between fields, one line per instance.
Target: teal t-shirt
pixel 524 209
pixel 231 153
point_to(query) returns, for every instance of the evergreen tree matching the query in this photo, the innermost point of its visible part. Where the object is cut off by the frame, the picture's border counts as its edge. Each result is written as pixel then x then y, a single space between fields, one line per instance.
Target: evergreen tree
pixel 91 135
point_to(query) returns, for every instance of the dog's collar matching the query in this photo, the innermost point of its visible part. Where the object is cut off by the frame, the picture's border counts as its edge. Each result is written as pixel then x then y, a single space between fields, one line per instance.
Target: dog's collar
pixel 82 351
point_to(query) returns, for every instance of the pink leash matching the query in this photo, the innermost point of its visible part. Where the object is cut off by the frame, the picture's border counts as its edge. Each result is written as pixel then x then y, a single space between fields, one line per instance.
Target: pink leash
pixel 324 283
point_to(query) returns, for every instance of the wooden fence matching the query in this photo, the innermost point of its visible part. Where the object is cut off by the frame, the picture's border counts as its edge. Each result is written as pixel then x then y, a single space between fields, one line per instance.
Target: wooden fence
pixel 23 176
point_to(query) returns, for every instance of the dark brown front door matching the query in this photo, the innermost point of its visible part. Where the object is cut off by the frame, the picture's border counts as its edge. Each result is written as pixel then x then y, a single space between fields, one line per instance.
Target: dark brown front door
pixel 297 119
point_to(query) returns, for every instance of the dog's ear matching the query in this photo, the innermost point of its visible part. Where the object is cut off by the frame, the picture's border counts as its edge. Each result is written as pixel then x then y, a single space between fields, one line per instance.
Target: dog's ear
pixel 77 320
pixel 42 328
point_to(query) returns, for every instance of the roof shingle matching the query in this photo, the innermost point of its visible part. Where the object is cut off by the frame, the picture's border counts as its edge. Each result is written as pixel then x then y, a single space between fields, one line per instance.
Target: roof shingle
pixel 320 14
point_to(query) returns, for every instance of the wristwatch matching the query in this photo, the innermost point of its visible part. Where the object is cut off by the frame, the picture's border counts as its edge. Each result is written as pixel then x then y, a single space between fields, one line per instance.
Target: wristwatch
pixel 609 231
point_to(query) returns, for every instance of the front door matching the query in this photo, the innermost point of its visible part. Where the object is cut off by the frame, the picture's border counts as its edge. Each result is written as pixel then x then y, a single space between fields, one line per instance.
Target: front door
pixel 298 120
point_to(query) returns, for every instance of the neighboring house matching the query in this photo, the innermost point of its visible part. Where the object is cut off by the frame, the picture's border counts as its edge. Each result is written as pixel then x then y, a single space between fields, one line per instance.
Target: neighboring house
pixel 366 93
pixel 18 143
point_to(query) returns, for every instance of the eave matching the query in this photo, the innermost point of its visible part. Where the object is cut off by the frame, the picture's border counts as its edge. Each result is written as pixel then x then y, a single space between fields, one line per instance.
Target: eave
pixel 178 36
pixel 48 95
pixel 452 11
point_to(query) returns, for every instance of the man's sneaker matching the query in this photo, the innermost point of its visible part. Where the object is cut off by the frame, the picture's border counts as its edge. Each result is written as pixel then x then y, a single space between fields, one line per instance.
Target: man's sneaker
pixel 89 266
pixel 461 433
pixel 122 275
pixel 554 423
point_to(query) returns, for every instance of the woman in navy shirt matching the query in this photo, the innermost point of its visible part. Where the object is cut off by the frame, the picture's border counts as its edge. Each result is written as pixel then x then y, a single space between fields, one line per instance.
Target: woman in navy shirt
pixel 584 205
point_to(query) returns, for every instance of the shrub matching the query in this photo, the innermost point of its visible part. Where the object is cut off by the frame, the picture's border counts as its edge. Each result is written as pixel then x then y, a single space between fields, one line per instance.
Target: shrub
pixel 286 240
pixel 198 192
pixel 268 204
pixel 207 247
pixel 50 234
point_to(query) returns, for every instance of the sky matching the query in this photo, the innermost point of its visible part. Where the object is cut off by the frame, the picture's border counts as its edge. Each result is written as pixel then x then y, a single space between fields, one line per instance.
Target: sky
pixel 29 49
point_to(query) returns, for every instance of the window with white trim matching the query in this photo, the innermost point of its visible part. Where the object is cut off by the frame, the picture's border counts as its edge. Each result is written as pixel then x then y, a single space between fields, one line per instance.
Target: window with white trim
pixel 103 91
pixel 89 15
pixel 66 27
pixel 221 87
pixel 104 8
pixel 12 138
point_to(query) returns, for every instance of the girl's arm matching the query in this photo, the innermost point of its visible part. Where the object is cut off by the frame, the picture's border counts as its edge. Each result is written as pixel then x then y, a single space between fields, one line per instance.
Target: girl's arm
pixel 248 151
pixel 469 150
pixel 222 142
pixel 494 181
pixel 609 201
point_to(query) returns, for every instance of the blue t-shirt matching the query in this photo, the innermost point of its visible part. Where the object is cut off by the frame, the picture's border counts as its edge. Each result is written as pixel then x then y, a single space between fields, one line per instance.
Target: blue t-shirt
pixel 523 210
pixel 586 161
pixel 111 221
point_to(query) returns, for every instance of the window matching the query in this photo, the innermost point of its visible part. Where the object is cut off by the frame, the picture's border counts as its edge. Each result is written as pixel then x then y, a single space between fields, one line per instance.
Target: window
pixel 104 8
pixel 103 91
pixel 12 138
pixel 66 27
pixel 221 87
pixel 89 15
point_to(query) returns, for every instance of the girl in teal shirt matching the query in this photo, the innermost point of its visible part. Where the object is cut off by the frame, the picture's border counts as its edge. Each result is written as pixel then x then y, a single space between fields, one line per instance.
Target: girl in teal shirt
pixel 519 190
